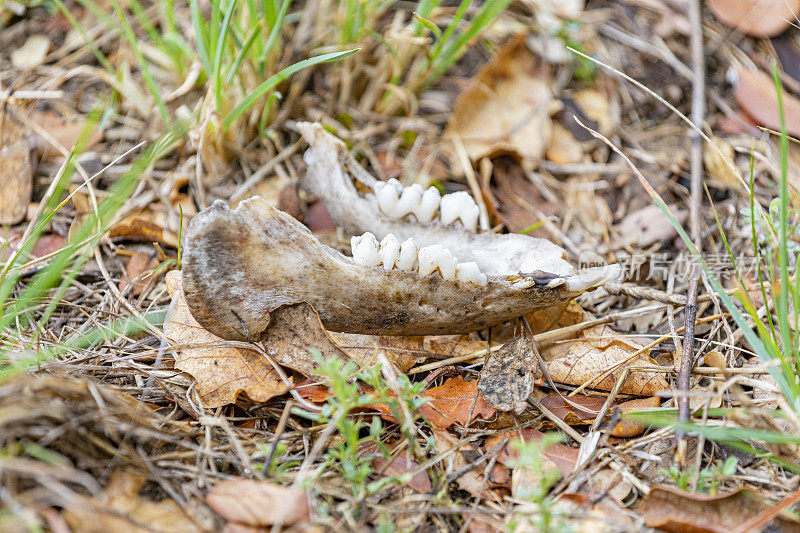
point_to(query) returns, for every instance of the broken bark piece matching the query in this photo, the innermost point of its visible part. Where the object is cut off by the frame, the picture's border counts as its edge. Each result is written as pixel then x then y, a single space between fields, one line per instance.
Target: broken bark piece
pixel 241 264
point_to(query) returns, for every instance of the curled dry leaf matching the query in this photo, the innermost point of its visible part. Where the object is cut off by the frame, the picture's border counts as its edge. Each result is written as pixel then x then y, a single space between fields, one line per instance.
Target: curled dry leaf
pixel 719 163
pixel 506 380
pixel 15 171
pixel 221 372
pixel 759 18
pixel 65 130
pixel 626 428
pixel 599 356
pixel 121 509
pixel 674 510
pixel 258 503
pixel 755 93
pixel 507 107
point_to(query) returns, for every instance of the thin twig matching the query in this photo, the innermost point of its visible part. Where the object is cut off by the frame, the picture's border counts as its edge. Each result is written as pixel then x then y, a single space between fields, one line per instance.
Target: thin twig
pixel 698 111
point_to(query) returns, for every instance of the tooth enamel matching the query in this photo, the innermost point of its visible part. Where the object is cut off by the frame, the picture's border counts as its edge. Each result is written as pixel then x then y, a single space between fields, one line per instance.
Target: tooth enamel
pixel 459 206
pixel 408 255
pixel 427 260
pixel 556 282
pixel 471 273
pixel 365 249
pixel 409 199
pixel 387 196
pixel 428 205
pixel 389 251
pixel 593 277
pixel 433 257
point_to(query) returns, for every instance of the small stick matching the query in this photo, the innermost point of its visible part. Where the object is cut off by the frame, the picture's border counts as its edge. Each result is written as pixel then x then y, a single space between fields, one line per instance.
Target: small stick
pixel 698 111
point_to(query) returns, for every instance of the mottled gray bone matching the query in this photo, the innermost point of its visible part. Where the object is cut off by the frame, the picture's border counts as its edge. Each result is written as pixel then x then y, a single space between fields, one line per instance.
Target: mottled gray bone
pixel 331 174
pixel 238 265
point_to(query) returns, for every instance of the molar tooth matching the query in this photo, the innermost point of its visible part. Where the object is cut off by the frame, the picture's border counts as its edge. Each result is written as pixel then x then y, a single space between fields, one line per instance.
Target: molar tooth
pixel 410 199
pixel 470 272
pixel 389 252
pixel 428 205
pixel 408 255
pixel 459 205
pixel 447 264
pixel 387 196
pixel 428 262
pixel 365 249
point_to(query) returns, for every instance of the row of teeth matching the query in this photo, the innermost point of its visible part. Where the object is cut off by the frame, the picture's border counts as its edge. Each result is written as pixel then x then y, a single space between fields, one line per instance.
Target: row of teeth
pixel 407 256
pixel 397 201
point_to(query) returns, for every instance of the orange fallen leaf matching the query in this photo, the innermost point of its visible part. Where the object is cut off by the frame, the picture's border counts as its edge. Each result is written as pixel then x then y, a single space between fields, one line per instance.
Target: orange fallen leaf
pixel 221 372
pixel 627 428
pixel 588 407
pixel 507 107
pixel 755 93
pixel 562 455
pixel 138 264
pixel 759 18
pixel 456 401
pixel 258 503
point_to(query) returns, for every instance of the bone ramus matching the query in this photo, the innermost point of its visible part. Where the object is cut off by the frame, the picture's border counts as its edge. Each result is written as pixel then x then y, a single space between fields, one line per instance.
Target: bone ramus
pixel 238 265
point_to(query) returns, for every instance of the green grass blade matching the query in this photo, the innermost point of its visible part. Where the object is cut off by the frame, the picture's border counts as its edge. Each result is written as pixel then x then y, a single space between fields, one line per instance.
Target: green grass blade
pixel 220 49
pixel 274 80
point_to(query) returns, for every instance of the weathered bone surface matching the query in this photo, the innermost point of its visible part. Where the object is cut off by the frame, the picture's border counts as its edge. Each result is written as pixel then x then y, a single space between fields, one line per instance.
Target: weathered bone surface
pixel 332 176
pixel 238 265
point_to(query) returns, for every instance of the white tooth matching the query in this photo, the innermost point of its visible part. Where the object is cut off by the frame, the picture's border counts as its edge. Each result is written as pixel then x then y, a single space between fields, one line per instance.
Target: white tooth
pixel 428 205
pixel 459 205
pixel 449 208
pixel 593 277
pixel 409 199
pixel 469 215
pixel 428 259
pixel 408 255
pixel 471 273
pixel 389 252
pixel 447 264
pixel 365 249
pixel 394 182
pixel 387 196
pixel 555 282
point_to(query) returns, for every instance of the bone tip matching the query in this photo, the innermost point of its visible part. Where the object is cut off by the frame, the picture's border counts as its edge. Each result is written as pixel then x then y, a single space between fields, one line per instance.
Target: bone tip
pixel 591 278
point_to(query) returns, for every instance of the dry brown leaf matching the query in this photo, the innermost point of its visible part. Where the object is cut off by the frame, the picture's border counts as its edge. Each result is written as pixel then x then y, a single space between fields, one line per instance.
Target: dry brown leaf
pixel 627 428
pixel 597 107
pixel 32 53
pixel 258 503
pixel 221 372
pixel 515 201
pixel 146 225
pixel 64 130
pixel 646 226
pixel 755 93
pixel 719 166
pixel 138 264
pixel 580 409
pixel 15 171
pixel 560 316
pixel 561 455
pixel 600 351
pixel 507 107
pixel 400 466
pixel 120 509
pixel 403 352
pixel 759 18
pixel 506 380
pixel 678 511
pixel 456 401
pixel 563 148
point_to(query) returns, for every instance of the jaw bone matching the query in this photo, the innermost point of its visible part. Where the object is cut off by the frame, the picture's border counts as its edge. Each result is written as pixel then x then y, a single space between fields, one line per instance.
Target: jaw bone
pixel 239 265
pixel 332 176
